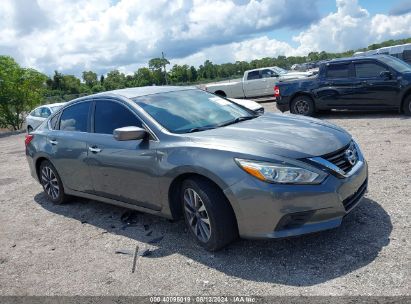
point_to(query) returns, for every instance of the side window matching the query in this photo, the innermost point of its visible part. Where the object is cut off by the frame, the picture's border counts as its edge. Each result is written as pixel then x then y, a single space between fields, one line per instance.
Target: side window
pixel 368 70
pixel 45 112
pixel 75 117
pixel 253 75
pixel 268 73
pixel 110 115
pixel 406 56
pixel 337 71
pixel 36 112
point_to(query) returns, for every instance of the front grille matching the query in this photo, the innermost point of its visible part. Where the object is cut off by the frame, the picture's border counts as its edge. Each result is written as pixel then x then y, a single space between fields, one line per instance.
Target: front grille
pixel 341 159
pixel 352 200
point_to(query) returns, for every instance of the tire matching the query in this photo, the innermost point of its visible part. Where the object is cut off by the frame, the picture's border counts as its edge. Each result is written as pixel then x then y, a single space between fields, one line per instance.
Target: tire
pixel 302 105
pixel 406 107
pixel 211 220
pixel 29 129
pixel 51 182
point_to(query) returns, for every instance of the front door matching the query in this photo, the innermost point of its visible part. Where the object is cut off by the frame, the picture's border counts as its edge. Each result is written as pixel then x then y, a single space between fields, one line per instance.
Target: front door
pixel 372 89
pixel 122 170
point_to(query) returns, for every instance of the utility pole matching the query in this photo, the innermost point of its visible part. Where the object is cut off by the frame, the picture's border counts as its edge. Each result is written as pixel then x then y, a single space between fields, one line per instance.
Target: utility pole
pixel 164 66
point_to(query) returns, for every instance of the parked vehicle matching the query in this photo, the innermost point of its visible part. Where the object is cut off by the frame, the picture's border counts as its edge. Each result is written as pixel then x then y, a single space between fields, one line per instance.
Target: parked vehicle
pixel 401 51
pixel 249 104
pixel 375 82
pixel 40 114
pixel 257 84
pixel 183 152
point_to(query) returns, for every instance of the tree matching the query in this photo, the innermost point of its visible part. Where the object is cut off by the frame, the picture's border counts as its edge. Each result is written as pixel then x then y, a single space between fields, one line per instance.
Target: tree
pixel 90 78
pixel 143 77
pixel 158 67
pixel 115 80
pixel 20 90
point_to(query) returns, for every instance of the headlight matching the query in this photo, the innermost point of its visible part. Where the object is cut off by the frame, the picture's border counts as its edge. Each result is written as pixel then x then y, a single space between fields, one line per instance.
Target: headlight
pixel 281 173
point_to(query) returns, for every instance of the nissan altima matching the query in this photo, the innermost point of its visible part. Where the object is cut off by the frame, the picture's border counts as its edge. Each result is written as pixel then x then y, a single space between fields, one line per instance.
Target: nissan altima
pixel 183 152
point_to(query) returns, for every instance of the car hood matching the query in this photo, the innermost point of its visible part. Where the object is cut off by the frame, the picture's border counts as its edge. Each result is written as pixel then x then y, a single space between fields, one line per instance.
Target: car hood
pixel 277 134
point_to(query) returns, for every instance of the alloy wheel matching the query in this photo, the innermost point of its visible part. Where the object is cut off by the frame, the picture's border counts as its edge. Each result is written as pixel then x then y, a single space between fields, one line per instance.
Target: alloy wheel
pixel 50 182
pixel 302 107
pixel 197 215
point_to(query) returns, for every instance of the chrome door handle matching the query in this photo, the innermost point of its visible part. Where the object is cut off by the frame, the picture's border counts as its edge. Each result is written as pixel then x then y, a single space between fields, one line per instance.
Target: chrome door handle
pixel 53 142
pixel 94 149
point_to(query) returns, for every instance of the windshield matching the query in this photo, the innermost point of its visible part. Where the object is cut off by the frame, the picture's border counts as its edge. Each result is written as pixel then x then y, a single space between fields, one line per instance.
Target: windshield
pixel 279 70
pixel 55 108
pixel 396 64
pixel 191 110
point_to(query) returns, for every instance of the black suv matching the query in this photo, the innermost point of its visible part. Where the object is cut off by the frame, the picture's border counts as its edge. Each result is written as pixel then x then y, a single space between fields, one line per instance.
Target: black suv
pixel 378 82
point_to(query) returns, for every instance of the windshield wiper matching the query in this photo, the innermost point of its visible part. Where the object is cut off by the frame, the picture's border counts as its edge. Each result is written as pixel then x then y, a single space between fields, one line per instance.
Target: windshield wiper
pixel 198 129
pixel 238 119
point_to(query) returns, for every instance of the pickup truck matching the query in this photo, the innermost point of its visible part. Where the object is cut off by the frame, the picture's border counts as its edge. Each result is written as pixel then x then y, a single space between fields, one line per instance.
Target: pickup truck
pixel 377 82
pixel 257 84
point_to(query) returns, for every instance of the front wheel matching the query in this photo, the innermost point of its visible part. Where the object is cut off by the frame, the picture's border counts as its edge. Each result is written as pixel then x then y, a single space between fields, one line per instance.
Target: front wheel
pixel 407 106
pixel 302 105
pixel 51 182
pixel 208 214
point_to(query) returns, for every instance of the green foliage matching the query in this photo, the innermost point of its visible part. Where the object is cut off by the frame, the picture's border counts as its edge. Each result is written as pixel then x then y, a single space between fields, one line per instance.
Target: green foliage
pixel 90 78
pixel 20 90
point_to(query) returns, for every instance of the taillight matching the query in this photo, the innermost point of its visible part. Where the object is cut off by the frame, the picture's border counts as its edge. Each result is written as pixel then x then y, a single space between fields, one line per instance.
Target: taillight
pixel 28 139
pixel 276 91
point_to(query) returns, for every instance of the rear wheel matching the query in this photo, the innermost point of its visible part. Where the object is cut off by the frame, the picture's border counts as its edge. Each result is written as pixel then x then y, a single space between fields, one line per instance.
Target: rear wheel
pixel 51 182
pixel 208 214
pixel 407 106
pixel 302 105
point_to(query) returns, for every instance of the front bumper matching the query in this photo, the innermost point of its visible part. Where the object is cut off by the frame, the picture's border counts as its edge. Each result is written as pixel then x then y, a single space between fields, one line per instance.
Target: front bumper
pixel 266 210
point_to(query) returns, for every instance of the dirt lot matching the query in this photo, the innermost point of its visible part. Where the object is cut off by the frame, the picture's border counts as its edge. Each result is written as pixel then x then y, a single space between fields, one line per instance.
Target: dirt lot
pixel 70 249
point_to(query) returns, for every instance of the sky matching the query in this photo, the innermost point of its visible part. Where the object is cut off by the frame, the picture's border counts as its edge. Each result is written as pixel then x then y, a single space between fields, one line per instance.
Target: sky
pixel 72 36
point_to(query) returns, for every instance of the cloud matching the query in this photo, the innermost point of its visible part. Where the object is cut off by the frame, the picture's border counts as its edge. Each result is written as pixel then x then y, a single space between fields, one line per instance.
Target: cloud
pixel 401 8
pixel 350 27
pixel 76 35
pixel 72 35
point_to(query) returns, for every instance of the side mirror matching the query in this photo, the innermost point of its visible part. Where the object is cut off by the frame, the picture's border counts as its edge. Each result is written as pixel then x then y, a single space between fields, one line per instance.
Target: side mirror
pixel 386 75
pixel 129 133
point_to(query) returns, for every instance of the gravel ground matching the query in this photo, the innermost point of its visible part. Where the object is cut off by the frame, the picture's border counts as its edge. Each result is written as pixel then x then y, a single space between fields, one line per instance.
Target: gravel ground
pixel 70 249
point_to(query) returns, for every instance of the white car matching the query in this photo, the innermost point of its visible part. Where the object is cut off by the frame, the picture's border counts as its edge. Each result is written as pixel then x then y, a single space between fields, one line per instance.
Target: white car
pixel 40 114
pixel 257 84
pixel 249 104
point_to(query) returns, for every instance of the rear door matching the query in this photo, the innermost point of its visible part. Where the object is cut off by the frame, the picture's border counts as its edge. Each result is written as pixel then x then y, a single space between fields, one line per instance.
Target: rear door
pixel 371 89
pixel 254 85
pixel 335 86
pixel 67 144
pixel 122 170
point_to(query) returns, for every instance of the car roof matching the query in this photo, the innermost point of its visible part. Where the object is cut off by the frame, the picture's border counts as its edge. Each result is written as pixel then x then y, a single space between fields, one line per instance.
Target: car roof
pixel 143 91
pixel 357 58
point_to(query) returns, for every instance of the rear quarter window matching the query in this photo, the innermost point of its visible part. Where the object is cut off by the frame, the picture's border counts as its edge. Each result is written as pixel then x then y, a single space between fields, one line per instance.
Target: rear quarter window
pixel 338 71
